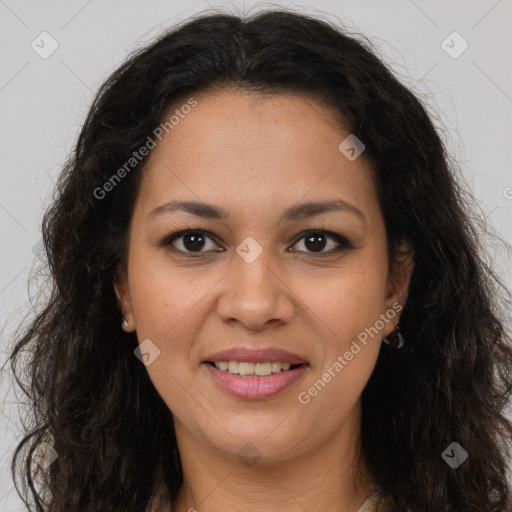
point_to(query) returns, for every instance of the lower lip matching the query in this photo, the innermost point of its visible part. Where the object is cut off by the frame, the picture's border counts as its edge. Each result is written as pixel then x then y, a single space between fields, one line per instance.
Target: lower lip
pixel 254 388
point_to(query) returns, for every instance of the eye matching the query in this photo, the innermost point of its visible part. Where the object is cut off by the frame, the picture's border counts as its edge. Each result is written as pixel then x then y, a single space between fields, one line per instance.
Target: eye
pixel 189 241
pixel 315 241
pixel 192 241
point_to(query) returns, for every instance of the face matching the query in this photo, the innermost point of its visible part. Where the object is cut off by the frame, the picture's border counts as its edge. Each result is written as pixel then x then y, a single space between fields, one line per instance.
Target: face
pixel 261 272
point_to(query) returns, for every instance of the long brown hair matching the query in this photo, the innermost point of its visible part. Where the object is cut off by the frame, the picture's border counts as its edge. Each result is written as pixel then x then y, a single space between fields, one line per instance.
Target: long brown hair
pixel 92 400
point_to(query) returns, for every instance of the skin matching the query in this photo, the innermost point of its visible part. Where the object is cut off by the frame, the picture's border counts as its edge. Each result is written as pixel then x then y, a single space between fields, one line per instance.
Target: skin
pixel 255 157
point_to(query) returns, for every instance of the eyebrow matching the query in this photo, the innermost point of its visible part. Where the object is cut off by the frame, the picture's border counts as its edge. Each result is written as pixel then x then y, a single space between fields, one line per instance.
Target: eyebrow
pixel 296 212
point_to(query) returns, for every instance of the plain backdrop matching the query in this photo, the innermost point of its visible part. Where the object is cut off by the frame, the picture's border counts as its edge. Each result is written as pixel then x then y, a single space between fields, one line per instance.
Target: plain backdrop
pixel 452 53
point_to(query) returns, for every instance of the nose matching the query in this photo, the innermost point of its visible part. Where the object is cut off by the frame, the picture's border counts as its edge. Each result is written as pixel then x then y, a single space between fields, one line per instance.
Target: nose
pixel 256 293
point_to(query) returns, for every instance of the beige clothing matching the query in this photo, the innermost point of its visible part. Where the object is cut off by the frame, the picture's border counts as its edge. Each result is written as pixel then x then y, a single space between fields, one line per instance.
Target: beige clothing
pixel 377 501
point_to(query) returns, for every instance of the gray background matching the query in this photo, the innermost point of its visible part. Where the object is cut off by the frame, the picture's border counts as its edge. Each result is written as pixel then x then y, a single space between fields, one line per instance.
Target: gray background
pixel 43 102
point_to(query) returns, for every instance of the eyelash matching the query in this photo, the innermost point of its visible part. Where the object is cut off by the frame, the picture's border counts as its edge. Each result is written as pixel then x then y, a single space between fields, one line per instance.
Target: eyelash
pixel 344 244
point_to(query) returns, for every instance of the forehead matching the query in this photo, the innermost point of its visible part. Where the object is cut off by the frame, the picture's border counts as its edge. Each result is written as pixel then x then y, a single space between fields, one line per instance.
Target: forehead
pixel 242 148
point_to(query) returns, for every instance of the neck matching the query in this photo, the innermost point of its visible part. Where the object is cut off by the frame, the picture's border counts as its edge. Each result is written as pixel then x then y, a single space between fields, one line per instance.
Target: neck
pixel 326 477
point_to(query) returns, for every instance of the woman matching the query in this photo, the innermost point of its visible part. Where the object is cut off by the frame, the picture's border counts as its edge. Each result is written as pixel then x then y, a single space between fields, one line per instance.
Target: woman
pixel 268 293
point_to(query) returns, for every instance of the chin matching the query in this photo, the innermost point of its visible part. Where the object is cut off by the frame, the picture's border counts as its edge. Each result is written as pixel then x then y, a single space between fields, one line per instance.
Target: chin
pixel 258 444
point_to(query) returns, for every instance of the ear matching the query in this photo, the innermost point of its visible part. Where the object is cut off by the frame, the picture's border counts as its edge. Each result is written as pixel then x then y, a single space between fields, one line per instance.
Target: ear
pixel 124 302
pixel 397 287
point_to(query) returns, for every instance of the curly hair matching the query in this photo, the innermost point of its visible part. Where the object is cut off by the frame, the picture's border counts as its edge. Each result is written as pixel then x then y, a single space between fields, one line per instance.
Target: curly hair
pixel 92 401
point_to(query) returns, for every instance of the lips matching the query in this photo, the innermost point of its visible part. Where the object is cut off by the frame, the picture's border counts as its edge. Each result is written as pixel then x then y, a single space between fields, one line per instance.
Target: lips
pixel 256 387
pixel 251 355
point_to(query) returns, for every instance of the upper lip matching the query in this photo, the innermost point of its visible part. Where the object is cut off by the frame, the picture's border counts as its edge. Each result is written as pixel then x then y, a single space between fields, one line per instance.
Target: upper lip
pixel 256 355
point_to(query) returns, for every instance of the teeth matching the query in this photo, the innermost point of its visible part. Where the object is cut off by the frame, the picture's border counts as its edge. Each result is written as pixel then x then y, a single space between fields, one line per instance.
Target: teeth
pixel 246 368
pixel 276 367
pixel 261 369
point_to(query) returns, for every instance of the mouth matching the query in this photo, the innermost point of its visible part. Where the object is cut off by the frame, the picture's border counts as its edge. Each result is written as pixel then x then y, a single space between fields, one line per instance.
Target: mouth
pixel 255 373
pixel 252 370
pixel 254 381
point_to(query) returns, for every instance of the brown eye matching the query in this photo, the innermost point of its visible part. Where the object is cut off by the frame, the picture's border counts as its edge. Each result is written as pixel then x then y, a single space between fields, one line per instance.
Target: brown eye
pixel 189 241
pixel 192 242
pixel 316 241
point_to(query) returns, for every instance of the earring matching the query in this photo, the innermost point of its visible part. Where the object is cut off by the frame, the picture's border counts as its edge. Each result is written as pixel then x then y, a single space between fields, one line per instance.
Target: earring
pixel 398 341
pixel 124 324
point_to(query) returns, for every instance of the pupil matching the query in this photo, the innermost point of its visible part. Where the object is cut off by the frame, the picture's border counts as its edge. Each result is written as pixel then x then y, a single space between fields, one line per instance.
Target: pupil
pixel 193 241
pixel 311 244
pixel 315 242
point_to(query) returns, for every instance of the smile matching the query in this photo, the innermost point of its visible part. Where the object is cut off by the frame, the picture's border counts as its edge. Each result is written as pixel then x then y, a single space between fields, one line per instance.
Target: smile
pixel 253 369
pixel 254 381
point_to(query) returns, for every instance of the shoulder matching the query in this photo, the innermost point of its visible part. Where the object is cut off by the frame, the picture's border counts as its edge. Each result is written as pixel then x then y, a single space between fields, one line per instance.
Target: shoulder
pixel 378 501
pixel 160 501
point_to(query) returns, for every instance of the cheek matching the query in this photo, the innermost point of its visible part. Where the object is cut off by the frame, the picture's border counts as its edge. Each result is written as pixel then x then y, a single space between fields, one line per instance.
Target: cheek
pixel 166 308
pixel 165 300
pixel 345 303
pixel 346 346
pixel 170 307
